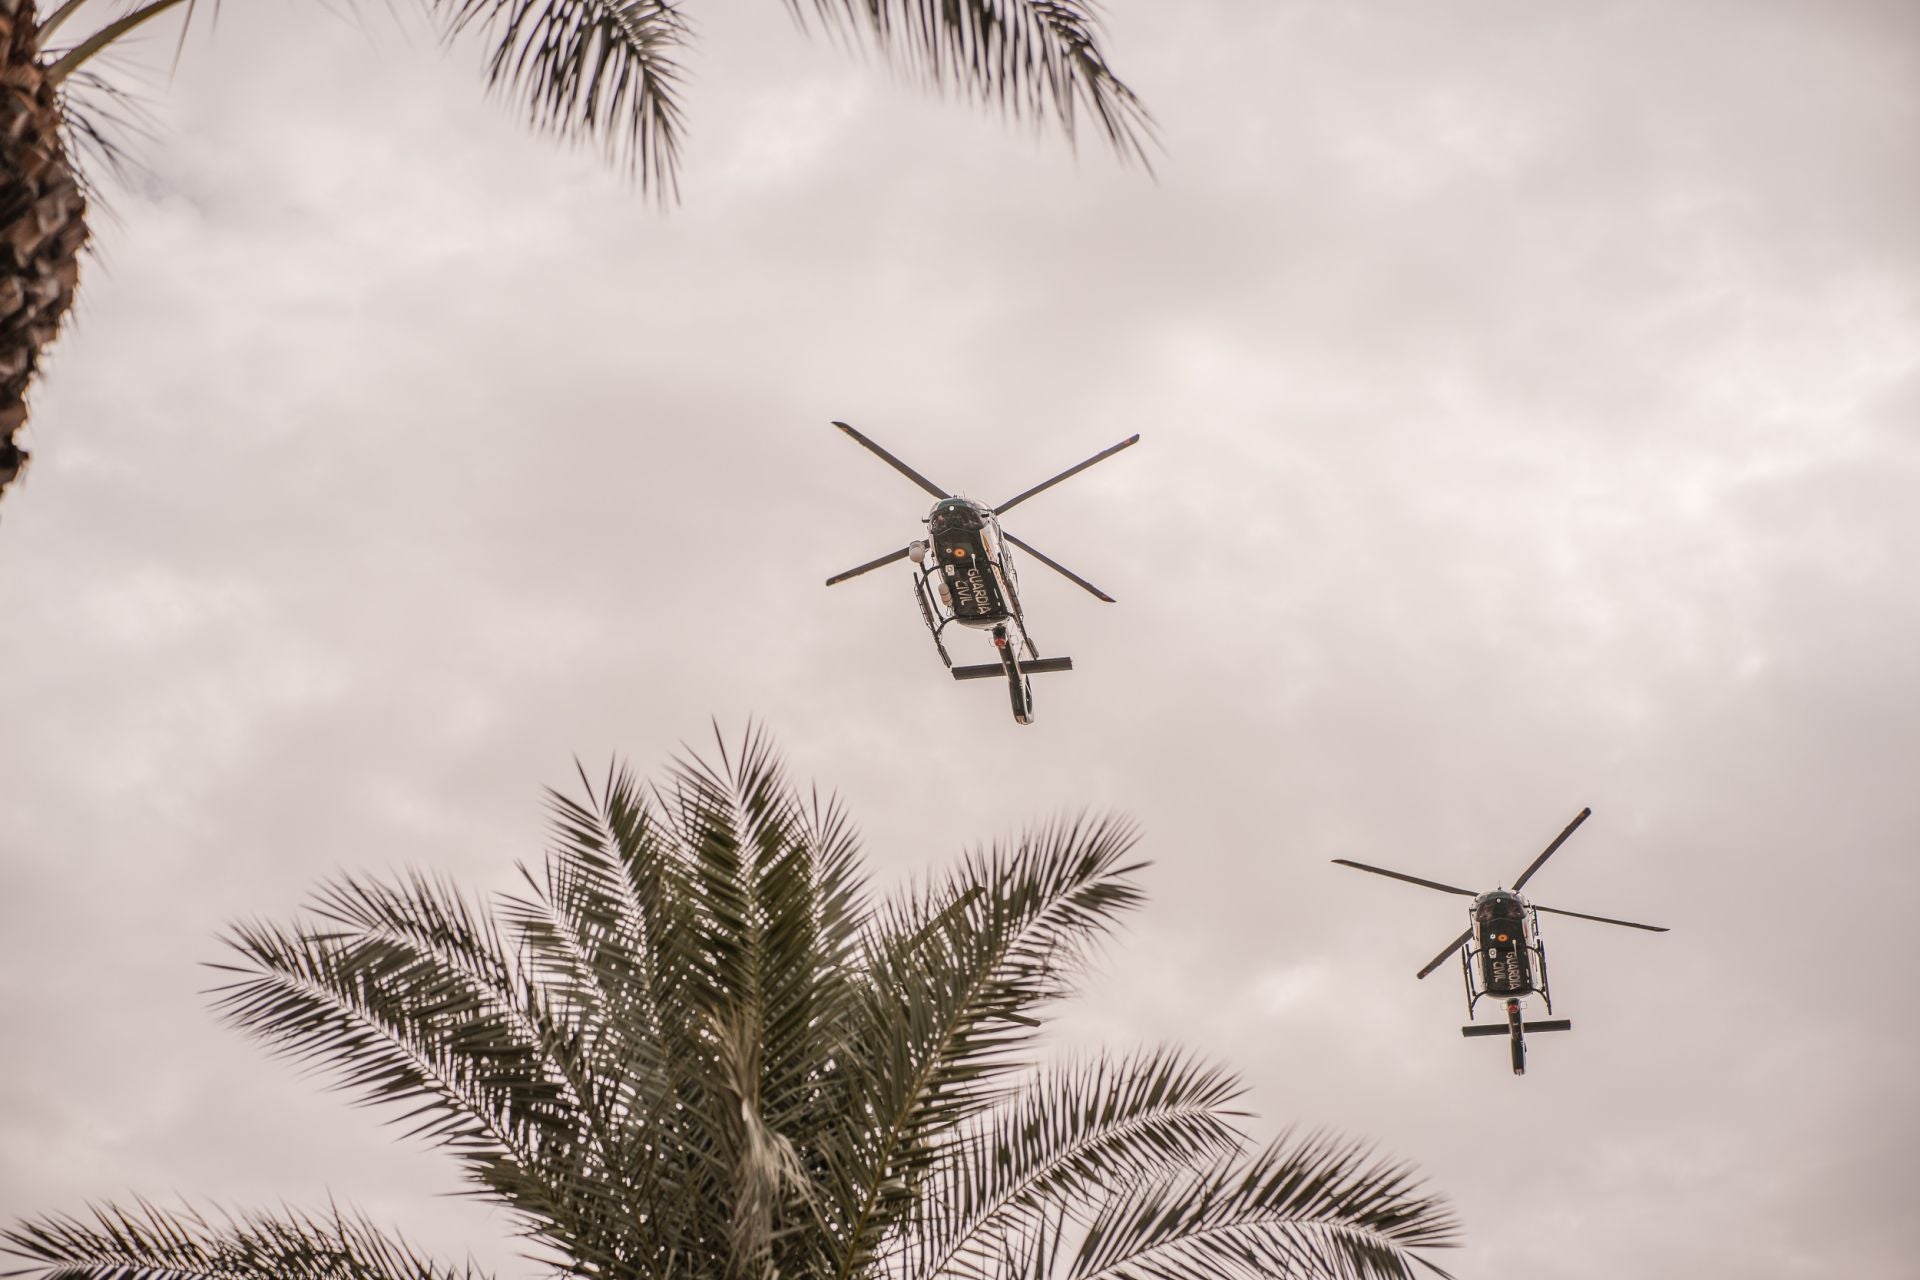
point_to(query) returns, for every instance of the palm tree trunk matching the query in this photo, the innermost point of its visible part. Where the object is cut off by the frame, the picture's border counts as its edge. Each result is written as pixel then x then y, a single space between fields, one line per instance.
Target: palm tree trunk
pixel 42 221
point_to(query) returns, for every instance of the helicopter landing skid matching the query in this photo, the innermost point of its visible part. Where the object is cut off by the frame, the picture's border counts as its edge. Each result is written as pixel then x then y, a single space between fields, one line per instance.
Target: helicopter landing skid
pixel 926 612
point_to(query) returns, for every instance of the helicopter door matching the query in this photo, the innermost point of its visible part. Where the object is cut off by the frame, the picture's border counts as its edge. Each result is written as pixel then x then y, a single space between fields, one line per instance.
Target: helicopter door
pixel 1506 965
pixel 969 578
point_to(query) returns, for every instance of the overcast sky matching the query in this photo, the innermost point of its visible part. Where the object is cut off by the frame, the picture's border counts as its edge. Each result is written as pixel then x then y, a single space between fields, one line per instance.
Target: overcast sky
pixel 1530 402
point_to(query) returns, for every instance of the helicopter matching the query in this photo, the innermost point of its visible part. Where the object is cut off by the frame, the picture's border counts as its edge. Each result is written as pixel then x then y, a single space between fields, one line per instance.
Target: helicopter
pixel 965 574
pixel 1501 954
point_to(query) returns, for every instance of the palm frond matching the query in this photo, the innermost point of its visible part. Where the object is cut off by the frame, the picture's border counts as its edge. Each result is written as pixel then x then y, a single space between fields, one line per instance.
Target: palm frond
pixel 405 996
pixel 603 71
pixel 398 1023
pixel 697 940
pixel 708 821
pixel 767 1174
pixel 1030 58
pixel 1074 1135
pixel 955 975
pixel 604 935
pixel 814 899
pixel 1313 1206
pixel 781 901
pixel 591 938
pixel 775 931
pixel 150 1243
pixel 104 126
pixel 561 1098
pixel 68 61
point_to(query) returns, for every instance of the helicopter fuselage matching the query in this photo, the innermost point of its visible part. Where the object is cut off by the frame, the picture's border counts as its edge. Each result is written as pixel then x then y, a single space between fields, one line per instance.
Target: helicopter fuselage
pixel 966 556
pixel 1505 945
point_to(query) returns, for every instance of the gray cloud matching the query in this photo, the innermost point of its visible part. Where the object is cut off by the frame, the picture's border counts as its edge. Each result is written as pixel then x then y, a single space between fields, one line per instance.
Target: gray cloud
pixel 1528 399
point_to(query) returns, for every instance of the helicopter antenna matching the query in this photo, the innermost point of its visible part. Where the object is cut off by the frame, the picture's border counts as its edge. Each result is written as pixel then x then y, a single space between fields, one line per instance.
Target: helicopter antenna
pixel 1548 851
pixel 1055 565
pixel 1044 485
pixel 897 465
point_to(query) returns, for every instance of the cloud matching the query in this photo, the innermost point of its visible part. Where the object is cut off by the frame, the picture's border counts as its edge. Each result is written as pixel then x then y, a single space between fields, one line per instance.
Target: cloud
pixel 1526 402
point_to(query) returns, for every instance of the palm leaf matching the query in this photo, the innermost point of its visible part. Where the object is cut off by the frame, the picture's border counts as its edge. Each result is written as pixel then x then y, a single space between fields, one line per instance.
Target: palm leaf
pixel 954 977
pixel 1074 1134
pixel 604 71
pixel 772 929
pixel 406 996
pixel 1030 58
pixel 1313 1206
pixel 608 73
pixel 150 1243
pixel 698 940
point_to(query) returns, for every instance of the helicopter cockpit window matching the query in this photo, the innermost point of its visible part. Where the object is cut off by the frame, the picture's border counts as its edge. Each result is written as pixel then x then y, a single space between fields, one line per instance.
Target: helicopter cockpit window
pixel 1499 912
pixel 953 518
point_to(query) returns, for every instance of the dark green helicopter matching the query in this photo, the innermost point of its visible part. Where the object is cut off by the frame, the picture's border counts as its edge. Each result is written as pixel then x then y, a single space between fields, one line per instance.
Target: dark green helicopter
pixel 1501 953
pixel 966 575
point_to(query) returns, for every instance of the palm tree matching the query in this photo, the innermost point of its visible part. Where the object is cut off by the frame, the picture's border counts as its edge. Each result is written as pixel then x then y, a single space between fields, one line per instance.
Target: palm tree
pixel 697 1046
pixel 603 71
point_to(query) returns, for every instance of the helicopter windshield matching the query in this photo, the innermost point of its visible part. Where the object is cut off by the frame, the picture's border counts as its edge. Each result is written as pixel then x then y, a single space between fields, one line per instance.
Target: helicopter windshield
pixel 947 519
pixel 1506 910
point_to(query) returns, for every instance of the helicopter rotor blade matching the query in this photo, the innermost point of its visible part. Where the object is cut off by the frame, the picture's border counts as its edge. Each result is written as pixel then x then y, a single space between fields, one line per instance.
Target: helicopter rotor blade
pixel 895 463
pixel 1055 565
pixel 1581 915
pixel 1401 875
pixel 888 558
pixel 1548 851
pixel 1440 959
pixel 1043 486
